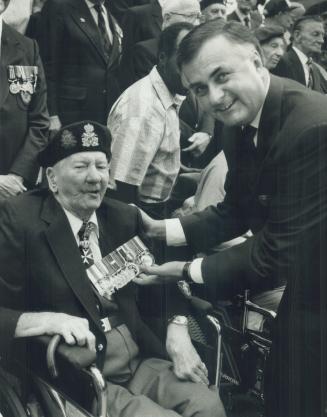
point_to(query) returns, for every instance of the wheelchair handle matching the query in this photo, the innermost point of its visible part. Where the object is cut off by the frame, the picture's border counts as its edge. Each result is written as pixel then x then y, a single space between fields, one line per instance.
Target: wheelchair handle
pixel 51 362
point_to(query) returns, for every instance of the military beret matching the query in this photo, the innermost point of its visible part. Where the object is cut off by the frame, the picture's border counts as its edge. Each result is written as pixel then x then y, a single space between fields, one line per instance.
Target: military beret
pixel 206 3
pixel 85 136
pixel 265 33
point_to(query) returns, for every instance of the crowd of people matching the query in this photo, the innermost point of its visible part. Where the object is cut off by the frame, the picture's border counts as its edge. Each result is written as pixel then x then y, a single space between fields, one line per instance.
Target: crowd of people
pixel 193 124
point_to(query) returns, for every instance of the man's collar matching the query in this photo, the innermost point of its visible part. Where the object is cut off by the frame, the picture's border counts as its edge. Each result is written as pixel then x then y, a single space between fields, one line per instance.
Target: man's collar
pixel 302 56
pixel 255 122
pixel 76 223
pixel 241 15
pixel 90 4
pixel 164 94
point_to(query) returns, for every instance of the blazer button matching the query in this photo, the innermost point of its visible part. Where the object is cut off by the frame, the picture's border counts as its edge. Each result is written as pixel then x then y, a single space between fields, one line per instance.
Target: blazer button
pixel 264 199
pixel 104 91
pixel 100 347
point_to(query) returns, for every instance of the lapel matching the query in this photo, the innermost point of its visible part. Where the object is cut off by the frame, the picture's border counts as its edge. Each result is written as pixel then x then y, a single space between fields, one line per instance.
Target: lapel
pixel 296 66
pixel 156 14
pixel 63 246
pixel 11 51
pixel 82 17
pixel 270 121
pixel 316 79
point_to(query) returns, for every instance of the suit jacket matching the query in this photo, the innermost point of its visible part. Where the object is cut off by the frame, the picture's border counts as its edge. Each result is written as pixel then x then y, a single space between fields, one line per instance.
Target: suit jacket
pixel 279 192
pixel 291 67
pixel 41 268
pixel 23 126
pixel 255 19
pixel 82 84
pixel 140 24
pixel 119 7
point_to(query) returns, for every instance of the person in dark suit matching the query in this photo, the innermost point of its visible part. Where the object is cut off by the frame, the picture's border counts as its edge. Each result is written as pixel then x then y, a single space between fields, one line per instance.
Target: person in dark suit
pixel 46 276
pixel 245 14
pixel 296 63
pixel 80 47
pixel 275 142
pixel 24 118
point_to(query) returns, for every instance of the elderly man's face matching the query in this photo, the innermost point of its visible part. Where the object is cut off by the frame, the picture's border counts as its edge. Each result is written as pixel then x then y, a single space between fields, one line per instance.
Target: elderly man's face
pixel 273 50
pixel 79 182
pixel 228 80
pixel 310 37
pixel 215 11
pixel 3 5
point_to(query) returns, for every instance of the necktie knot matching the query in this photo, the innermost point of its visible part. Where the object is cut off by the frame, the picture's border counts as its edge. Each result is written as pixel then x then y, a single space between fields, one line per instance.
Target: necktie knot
pixel 248 134
pixel 309 62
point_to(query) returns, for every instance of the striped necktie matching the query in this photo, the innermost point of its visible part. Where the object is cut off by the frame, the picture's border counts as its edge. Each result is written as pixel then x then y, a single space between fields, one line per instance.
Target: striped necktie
pixel 106 44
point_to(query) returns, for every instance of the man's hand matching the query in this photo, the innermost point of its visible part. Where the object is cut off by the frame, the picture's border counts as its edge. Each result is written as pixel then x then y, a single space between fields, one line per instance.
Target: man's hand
pixel 187 362
pixel 74 330
pixel 11 185
pixel 55 125
pixel 153 229
pixel 199 142
pixel 160 274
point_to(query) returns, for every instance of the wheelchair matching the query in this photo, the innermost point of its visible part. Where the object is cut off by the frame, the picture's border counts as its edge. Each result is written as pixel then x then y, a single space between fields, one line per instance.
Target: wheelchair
pixel 243 350
pixel 63 381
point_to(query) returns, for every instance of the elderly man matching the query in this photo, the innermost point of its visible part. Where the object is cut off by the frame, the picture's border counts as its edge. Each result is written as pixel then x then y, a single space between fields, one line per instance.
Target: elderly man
pixel 213 9
pixel 297 63
pixel 275 142
pixel 23 111
pixel 47 239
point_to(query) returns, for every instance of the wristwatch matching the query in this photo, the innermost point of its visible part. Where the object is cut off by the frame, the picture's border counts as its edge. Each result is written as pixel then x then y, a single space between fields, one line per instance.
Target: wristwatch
pixel 186 276
pixel 181 320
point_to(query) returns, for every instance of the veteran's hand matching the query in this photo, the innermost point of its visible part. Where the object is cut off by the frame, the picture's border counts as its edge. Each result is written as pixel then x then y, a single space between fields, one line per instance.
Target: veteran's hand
pixel 187 363
pixel 160 274
pixel 198 143
pixel 11 185
pixel 55 124
pixel 74 330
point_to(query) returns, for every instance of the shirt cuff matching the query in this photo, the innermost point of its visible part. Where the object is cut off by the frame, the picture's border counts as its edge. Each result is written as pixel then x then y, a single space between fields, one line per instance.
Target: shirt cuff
pixel 195 271
pixel 174 233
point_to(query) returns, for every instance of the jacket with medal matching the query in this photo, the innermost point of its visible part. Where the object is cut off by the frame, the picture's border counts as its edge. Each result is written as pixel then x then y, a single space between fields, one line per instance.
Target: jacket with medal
pixel 82 82
pixel 41 267
pixel 23 109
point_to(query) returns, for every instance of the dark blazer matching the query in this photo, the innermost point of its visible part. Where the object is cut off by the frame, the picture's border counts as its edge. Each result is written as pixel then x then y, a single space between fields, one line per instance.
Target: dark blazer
pixel 280 193
pixel 23 127
pixel 139 24
pixel 290 66
pixel 255 19
pixel 41 268
pixel 119 7
pixel 82 84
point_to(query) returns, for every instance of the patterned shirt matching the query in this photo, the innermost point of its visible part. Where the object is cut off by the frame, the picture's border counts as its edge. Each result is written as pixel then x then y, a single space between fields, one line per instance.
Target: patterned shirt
pixel 144 125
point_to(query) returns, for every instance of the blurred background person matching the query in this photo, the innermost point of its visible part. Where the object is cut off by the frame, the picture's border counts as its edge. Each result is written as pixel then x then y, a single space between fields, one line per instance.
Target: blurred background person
pixel 213 9
pixel 297 63
pixel 272 43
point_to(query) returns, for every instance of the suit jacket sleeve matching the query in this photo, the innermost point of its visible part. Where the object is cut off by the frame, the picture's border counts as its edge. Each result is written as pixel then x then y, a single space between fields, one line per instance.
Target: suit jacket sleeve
pixel 36 139
pixel 8 322
pixel 296 214
pixel 52 46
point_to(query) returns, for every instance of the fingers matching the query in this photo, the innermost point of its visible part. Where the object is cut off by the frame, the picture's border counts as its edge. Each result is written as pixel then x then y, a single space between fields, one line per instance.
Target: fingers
pixel 75 331
pixel 144 280
pixel 190 148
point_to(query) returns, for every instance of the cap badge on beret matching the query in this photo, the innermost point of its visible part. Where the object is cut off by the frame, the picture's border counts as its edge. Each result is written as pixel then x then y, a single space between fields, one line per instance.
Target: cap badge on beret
pixel 89 137
pixel 68 140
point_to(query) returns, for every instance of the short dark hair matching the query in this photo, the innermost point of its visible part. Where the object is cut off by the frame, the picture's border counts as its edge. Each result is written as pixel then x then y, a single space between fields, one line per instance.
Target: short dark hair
pixel 233 31
pixel 298 24
pixel 168 37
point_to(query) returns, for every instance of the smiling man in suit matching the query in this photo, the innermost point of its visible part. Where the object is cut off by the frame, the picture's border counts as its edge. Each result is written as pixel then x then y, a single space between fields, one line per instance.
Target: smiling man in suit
pixel 275 142
pixel 80 45
pixel 23 111
pixel 48 242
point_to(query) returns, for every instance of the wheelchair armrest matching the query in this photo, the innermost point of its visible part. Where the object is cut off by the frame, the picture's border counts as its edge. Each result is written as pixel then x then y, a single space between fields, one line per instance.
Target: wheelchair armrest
pixel 263 311
pixel 201 307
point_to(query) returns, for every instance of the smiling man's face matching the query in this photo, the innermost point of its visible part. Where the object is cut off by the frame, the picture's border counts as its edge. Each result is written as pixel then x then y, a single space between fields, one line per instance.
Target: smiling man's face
pixel 228 80
pixel 79 182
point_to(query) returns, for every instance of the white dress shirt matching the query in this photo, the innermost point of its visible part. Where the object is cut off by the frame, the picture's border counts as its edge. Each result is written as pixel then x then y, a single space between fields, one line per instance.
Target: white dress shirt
pixel 304 60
